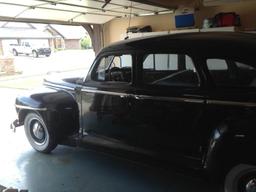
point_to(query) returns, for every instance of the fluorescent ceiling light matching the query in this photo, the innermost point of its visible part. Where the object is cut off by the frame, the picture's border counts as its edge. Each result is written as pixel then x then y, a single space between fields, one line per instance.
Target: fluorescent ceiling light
pixel 156 13
pixel 146 14
pixel 166 12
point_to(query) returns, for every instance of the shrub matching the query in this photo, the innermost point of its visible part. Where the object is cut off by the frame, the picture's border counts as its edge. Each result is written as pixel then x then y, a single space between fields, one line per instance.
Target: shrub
pixel 86 43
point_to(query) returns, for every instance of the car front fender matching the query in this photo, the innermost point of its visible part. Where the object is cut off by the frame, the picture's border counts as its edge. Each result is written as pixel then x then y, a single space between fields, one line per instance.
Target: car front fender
pixel 58 108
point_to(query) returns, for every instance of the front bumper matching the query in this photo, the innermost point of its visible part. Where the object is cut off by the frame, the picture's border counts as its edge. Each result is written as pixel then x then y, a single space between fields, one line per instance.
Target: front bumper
pixel 15 124
pixel 44 51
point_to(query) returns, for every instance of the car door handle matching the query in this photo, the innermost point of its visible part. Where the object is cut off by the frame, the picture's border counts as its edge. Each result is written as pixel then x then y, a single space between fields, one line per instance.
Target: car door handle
pixel 125 96
pixel 137 97
pixel 142 97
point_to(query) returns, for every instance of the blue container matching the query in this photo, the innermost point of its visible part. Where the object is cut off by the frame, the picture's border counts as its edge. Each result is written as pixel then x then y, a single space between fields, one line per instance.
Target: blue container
pixel 186 20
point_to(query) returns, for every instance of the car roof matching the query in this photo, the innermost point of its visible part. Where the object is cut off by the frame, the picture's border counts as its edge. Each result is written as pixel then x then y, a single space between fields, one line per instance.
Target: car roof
pixel 233 44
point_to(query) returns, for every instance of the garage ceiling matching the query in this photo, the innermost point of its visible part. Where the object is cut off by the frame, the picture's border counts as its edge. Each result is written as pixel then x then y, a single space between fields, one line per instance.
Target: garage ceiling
pixel 74 11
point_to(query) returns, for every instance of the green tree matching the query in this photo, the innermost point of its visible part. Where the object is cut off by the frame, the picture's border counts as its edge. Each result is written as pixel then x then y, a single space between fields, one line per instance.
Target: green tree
pixel 86 43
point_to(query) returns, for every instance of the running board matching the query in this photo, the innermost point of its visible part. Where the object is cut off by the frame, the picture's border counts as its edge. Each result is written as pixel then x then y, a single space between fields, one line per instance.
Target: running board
pixel 97 141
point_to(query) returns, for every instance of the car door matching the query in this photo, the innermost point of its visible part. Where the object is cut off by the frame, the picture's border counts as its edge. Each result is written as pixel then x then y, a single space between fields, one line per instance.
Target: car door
pixel 106 97
pixel 26 47
pixel 233 92
pixel 169 104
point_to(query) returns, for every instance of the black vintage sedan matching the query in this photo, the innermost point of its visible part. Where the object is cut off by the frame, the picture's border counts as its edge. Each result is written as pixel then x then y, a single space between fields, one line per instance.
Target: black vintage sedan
pixel 187 99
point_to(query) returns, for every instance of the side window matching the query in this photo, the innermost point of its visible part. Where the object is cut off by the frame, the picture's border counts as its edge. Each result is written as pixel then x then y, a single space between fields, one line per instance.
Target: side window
pixel 102 67
pixel 114 68
pixel 230 73
pixel 169 70
pixel 217 64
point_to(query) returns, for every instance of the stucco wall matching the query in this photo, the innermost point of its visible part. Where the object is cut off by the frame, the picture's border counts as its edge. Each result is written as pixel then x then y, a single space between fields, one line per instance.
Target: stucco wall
pixel 246 9
pixel 114 29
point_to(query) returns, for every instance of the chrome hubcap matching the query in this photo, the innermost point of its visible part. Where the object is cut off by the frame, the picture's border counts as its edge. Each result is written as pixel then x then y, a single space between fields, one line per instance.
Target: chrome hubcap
pixel 38 131
pixel 251 186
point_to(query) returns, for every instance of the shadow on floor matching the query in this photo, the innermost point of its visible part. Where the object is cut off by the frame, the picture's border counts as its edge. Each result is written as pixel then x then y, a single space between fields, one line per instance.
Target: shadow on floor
pixel 73 169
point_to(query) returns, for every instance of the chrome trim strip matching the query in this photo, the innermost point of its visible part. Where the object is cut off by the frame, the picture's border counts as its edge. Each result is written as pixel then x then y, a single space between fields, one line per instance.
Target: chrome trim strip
pixel 142 97
pixel 31 108
pixel 240 136
pixel 231 103
pixel 175 99
pixel 58 86
pixel 89 90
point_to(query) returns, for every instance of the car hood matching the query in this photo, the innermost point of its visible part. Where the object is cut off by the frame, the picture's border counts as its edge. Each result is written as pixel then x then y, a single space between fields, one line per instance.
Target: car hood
pixel 65 80
pixel 40 47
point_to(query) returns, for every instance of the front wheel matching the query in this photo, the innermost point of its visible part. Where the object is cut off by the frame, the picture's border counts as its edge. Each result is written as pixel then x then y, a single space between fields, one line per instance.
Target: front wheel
pixel 35 54
pixel 40 137
pixel 15 53
pixel 241 178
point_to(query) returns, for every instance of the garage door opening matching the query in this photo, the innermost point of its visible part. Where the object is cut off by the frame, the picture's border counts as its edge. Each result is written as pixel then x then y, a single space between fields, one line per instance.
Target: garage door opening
pixel 30 51
pixel 39 40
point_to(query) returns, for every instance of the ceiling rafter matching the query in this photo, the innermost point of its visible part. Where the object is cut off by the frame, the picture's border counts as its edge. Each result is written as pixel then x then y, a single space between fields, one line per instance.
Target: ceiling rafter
pixel 54 9
pixel 157 3
pixel 45 21
pixel 86 7
pixel 128 6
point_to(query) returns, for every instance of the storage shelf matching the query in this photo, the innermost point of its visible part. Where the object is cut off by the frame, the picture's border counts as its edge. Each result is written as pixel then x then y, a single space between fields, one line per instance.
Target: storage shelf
pixel 194 30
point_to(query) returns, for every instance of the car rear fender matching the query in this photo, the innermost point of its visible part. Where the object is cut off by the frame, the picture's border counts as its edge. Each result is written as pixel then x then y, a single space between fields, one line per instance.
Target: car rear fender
pixel 230 143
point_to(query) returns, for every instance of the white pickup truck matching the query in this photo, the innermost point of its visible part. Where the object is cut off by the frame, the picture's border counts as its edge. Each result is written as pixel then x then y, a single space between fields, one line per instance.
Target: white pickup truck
pixel 29 49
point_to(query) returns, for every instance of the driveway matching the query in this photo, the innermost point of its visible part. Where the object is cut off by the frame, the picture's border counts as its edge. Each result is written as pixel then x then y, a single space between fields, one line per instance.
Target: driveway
pixel 33 70
pixel 67 60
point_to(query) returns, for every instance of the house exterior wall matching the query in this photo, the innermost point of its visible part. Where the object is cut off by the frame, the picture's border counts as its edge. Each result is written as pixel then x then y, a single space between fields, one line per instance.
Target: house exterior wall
pixel 113 29
pixel 1 48
pixel 72 44
pixel 59 43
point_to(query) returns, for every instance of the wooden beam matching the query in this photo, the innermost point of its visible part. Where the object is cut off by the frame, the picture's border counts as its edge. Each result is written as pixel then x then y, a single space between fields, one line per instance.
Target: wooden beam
pixel 95 32
pixel 169 4
pixel 156 3
pixel 85 7
pixel 44 21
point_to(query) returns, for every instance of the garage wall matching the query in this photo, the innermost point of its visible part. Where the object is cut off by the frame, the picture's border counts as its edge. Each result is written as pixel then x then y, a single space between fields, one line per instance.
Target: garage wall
pixel 114 29
pixel 246 9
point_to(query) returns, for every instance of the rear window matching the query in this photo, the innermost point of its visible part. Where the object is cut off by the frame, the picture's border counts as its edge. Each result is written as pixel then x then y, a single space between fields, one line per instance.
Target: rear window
pixel 169 70
pixel 231 73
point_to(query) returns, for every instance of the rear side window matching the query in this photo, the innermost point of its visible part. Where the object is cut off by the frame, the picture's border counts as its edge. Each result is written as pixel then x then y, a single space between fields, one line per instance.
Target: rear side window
pixel 230 73
pixel 161 62
pixel 217 64
pixel 114 68
pixel 169 70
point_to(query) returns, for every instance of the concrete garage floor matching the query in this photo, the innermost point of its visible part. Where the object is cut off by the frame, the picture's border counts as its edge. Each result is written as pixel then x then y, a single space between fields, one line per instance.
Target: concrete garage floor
pixel 69 169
